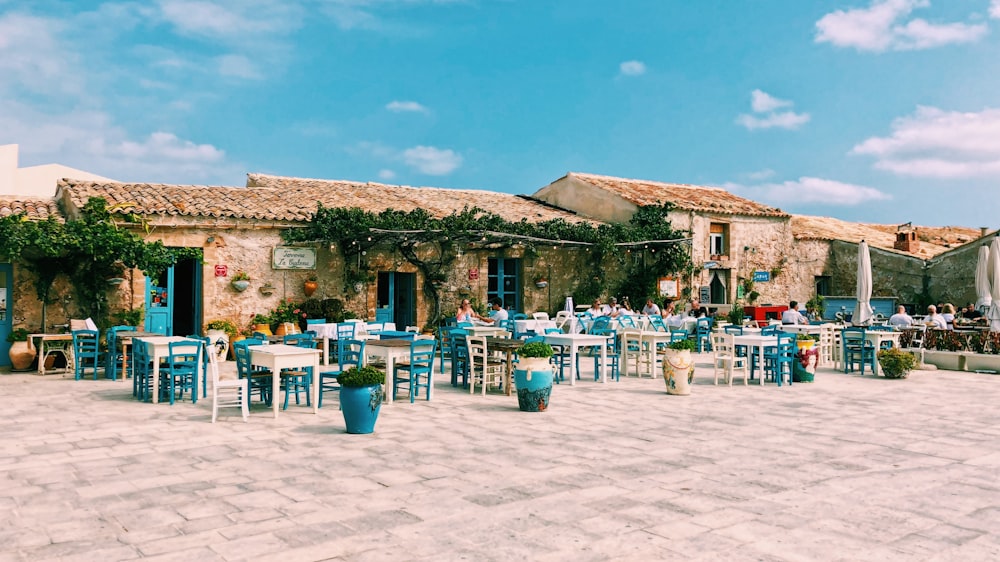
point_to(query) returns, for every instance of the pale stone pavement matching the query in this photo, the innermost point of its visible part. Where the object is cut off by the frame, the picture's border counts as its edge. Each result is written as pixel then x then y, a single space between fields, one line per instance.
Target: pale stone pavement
pixel 847 468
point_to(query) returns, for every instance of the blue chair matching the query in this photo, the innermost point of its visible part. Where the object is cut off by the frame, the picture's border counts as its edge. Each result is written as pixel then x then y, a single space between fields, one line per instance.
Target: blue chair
pixel 142 370
pixel 419 369
pixel 260 379
pixel 770 330
pixel 519 316
pixel 183 365
pixel 703 334
pixel 350 353
pixel 857 350
pixel 656 323
pixel 114 355
pixel 600 323
pixel 311 321
pixel 732 329
pixel 778 360
pixel 613 352
pixel 86 353
pixel 459 357
pixel 294 380
pixel 626 321
pixel 444 336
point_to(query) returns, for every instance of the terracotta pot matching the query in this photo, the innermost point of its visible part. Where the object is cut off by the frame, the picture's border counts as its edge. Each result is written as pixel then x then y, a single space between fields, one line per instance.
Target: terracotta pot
pixel 262 328
pixel 21 354
pixel 309 287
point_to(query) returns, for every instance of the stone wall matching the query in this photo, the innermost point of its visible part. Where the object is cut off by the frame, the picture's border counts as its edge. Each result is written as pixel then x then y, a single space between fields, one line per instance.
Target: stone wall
pixel 951 277
pixel 893 274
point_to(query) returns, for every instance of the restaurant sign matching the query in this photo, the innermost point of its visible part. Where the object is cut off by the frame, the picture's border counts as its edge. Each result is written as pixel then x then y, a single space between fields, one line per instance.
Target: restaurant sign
pixel 287 257
pixel 761 276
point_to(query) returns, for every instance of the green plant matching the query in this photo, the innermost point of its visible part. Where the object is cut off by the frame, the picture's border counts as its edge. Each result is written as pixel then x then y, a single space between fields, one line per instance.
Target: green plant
pixel 365 376
pixel 806 337
pixel 130 317
pixel 241 276
pixel 681 345
pixel 896 363
pixel 287 311
pixel 535 349
pixel 312 277
pixel 736 315
pixel 261 319
pixel 817 304
pixel 18 334
pixel 753 296
pixel 224 325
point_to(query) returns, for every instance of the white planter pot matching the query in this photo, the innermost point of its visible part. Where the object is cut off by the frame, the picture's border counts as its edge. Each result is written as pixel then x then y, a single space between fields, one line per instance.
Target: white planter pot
pixel 221 352
pixel 982 362
pixel 951 360
pixel 533 364
pixel 678 371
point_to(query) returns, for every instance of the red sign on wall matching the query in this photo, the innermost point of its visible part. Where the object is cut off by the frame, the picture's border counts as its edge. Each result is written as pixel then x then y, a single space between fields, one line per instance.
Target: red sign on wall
pixel 473 274
pixel 221 270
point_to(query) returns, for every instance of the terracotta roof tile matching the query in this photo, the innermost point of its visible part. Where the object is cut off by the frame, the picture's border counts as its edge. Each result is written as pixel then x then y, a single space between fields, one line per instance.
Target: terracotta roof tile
pixel 32 207
pixel 933 240
pixel 287 199
pixel 684 196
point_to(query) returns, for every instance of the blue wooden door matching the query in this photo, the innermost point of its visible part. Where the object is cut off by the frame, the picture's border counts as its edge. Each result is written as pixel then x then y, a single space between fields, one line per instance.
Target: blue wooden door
pixel 397 298
pixel 6 309
pixel 159 303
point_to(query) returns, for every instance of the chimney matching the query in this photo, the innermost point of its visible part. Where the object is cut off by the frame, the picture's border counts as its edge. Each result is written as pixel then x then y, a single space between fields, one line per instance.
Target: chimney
pixel 983 231
pixel 907 241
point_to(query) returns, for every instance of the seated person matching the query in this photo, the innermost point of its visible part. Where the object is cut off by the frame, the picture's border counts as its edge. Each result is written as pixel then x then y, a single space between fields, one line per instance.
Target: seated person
pixel 499 313
pixel 614 310
pixel 948 313
pixel 901 318
pixel 671 317
pixel 971 313
pixel 598 309
pixel 650 308
pixel 697 310
pixel 466 313
pixel 792 315
pixel 935 320
pixel 626 307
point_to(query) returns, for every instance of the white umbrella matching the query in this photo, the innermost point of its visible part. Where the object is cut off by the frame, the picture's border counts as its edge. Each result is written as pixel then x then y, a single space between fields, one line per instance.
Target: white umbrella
pixel 983 297
pixel 993 313
pixel 863 312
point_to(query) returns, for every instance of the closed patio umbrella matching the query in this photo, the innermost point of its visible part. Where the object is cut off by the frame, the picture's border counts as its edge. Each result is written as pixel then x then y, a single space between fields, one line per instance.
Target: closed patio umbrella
pixel 993 313
pixel 983 297
pixel 863 312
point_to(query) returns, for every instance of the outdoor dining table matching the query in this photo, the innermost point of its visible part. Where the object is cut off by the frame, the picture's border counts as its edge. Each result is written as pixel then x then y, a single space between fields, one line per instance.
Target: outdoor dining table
pixel 124 339
pixel 876 337
pixel 488 331
pixel 48 344
pixel 756 342
pixel 648 341
pixel 159 349
pixel 508 346
pixel 389 351
pixel 575 342
pixel 536 326
pixel 811 329
pixel 280 356
pixel 396 335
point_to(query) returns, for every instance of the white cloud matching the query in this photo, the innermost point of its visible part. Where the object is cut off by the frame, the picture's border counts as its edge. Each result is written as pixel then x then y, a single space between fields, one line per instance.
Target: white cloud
pixel 807 190
pixel 33 56
pixel 939 144
pixel 632 68
pixel 760 175
pixel 238 66
pixel 762 102
pixel 405 106
pixel 245 20
pixel 432 161
pixel 386 174
pixel 995 9
pixel 883 25
pixel 365 14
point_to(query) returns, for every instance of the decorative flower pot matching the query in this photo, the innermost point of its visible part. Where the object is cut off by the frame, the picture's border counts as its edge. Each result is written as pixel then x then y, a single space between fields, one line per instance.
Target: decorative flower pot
pixel 21 353
pixel 805 344
pixel 533 381
pixel 361 405
pixel 216 336
pixel 240 285
pixel 541 284
pixel 287 329
pixel 309 287
pixel 262 328
pixel 804 367
pixel 678 371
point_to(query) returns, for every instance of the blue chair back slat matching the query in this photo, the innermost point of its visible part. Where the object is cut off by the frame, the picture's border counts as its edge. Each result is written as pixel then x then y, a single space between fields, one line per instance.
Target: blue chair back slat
pixel 86 352
pixel 419 369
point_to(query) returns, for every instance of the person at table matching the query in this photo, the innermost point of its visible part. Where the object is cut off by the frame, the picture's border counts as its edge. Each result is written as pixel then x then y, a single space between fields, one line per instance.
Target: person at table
pixel 650 308
pixel 792 315
pixel 598 309
pixel 614 309
pixel 948 313
pixel 697 310
pixel 671 317
pixel 971 313
pixel 626 306
pixel 935 320
pixel 466 313
pixel 901 319
pixel 499 313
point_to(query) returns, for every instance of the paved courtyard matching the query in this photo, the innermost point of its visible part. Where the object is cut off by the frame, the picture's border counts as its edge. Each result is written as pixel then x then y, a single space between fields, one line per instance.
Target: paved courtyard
pixel 847 468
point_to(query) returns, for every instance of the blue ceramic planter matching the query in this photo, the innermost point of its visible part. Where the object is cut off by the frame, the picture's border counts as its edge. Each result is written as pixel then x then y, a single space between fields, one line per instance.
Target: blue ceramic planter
pixel 361 405
pixel 533 394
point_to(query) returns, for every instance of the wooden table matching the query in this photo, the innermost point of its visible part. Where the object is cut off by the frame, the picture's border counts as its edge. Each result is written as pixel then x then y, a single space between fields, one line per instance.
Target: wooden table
pixel 576 341
pixel 61 343
pixel 280 356
pixel 759 342
pixel 159 348
pixel 389 351
pixel 508 346
pixel 647 340
pixel 488 331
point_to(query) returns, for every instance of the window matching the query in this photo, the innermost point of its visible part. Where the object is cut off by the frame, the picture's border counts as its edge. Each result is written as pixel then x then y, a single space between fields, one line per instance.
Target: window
pixel 823 285
pixel 718 239
pixel 503 281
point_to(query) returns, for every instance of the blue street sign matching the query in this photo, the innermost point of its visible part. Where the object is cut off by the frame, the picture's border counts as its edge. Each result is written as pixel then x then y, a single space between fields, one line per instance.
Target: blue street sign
pixel 761 276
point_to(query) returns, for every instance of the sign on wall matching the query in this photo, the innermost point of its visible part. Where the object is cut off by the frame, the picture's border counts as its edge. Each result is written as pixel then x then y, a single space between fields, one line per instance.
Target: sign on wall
pixel 761 276
pixel 473 274
pixel 668 287
pixel 288 257
pixel 705 293
pixel 221 270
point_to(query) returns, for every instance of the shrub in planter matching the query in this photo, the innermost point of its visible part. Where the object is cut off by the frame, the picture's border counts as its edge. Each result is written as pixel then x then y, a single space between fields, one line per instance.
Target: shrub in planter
pixel 533 376
pixel 678 367
pixel 896 363
pixel 361 397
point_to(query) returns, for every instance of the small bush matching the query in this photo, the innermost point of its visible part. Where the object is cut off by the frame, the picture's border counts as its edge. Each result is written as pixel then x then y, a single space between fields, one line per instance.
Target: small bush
pixel 896 363
pixel 681 345
pixel 18 334
pixel 535 349
pixel 365 376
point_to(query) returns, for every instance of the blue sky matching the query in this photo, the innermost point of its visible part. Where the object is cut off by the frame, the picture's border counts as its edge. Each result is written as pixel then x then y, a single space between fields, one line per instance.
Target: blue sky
pixel 872 110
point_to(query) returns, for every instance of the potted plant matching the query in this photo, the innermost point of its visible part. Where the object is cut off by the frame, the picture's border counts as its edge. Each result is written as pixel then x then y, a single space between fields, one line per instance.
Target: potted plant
pixel 267 289
pixel 221 333
pixel 262 323
pixel 533 376
pixel 896 363
pixel 736 315
pixel 805 341
pixel 310 285
pixel 361 395
pixel 806 358
pixel 678 367
pixel 241 281
pixel 21 352
pixel 541 282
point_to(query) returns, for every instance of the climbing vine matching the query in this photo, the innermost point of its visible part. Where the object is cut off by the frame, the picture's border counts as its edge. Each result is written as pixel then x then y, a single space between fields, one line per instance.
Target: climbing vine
pixel 432 244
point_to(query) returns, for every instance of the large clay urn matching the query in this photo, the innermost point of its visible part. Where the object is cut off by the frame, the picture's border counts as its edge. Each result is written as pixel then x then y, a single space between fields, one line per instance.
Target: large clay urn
pixel 309 287
pixel 22 354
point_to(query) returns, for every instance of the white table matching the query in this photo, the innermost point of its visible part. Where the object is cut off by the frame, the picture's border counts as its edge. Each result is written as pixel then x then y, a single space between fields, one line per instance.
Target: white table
pixel 575 342
pixel 537 326
pixel 648 340
pixel 61 343
pixel 159 348
pixel 390 351
pixel 280 356
pixel 758 342
pixel 811 329
pixel 488 331
pixel 876 337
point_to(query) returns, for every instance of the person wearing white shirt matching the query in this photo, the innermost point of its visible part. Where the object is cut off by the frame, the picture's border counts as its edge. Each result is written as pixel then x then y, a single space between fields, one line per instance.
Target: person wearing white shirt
pixel 671 317
pixel 901 318
pixel 650 308
pixel 934 319
pixel 499 313
pixel 614 310
pixel 792 315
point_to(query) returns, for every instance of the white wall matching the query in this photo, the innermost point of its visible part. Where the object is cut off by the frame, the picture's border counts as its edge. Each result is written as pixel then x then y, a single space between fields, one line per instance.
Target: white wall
pixel 35 181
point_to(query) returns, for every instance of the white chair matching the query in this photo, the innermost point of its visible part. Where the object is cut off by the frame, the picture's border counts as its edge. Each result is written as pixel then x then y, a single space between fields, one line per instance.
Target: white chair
pixel 828 350
pixel 413 329
pixel 540 315
pixel 483 367
pixel 726 359
pixel 228 393
pixel 562 317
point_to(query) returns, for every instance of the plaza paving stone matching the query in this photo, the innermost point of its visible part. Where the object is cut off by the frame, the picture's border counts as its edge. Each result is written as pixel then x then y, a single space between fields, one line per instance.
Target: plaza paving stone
pixel 846 468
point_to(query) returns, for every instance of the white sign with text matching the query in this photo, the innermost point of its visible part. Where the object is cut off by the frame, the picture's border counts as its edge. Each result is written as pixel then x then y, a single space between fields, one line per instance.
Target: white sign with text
pixel 287 257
